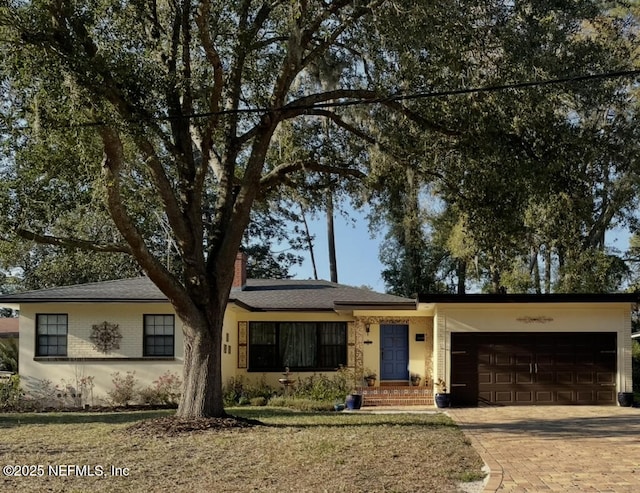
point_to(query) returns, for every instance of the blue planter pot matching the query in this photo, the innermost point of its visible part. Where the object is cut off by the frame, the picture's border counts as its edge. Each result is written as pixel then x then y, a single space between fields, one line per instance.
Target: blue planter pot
pixel 354 401
pixel 625 399
pixel 443 400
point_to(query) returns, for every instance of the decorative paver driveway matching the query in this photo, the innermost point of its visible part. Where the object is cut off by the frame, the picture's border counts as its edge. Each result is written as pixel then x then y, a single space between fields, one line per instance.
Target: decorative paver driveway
pixel 556 448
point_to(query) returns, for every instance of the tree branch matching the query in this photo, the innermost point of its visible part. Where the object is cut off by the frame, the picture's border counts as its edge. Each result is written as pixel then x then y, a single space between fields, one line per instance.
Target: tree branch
pixel 279 174
pixel 161 277
pixel 73 242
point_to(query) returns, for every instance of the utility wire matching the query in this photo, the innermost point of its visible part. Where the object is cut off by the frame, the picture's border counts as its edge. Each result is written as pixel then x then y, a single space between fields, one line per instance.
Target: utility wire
pixel 402 97
pixel 432 94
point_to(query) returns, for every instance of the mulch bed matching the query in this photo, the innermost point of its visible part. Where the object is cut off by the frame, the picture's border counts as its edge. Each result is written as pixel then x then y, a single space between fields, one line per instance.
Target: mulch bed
pixel 173 425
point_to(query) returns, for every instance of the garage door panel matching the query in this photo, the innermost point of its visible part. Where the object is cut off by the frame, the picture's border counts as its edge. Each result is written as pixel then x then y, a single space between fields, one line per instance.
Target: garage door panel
pixel 605 377
pixel 524 377
pixel 564 396
pixel 586 395
pixel 564 359
pixel 523 359
pixel 537 368
pixel 606 395
pixel 544 359
pixel 544 377
pixel 544 397
pixel 503 397
pixel 484 358
pixel 523 397
pixel 584 378
pixel 564 377
pixel 503 377
pixel 502 359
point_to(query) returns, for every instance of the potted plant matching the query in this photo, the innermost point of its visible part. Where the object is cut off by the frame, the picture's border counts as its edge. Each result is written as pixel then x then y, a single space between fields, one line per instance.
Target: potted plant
pixel 415 379
pixel 442 398
pixel 625 399
pixel 353 401
pixel 370 377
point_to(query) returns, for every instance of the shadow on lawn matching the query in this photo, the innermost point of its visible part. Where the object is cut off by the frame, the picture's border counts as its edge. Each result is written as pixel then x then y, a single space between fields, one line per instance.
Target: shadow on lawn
pixel 288 418
pixel 11 420
pixel 270 417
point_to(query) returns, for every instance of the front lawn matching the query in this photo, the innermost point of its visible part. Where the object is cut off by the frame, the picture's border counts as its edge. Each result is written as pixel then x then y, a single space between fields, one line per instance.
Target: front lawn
pixel 294 451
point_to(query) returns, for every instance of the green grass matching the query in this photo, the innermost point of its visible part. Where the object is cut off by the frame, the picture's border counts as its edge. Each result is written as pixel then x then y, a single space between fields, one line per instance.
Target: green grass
pixel 295 451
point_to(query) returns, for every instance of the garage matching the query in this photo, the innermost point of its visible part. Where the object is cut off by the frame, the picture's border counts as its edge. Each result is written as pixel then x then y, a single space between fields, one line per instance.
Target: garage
pixel 533 368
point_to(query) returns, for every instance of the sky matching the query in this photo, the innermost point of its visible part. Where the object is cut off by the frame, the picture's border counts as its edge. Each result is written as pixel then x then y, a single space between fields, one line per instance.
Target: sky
pixel 356 252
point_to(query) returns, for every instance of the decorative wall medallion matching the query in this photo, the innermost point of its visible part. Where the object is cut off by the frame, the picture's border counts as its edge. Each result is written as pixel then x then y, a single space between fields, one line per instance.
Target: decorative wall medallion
pixel 105 337
pixel 534 320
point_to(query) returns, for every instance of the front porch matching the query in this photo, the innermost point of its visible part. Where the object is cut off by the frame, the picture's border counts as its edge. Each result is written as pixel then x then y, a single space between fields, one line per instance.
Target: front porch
pixel 398 351
pixel 396 395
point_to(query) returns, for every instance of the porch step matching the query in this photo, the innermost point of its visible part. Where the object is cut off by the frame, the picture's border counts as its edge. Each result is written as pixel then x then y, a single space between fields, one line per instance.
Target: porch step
pixel 396 395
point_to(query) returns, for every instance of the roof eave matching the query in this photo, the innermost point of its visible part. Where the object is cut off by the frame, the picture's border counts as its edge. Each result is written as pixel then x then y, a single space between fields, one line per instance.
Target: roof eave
pixel 350 305
pixel 530 298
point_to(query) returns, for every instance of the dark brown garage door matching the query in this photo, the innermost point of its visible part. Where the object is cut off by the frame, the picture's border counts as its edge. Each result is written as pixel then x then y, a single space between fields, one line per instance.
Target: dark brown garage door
pixel 533 368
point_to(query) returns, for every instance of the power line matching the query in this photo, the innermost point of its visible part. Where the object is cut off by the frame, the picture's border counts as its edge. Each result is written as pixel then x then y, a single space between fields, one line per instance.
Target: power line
pixel 402 97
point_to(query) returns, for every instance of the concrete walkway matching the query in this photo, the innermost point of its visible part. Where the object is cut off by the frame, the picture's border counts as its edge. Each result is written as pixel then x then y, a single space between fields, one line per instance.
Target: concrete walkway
pixel 556 448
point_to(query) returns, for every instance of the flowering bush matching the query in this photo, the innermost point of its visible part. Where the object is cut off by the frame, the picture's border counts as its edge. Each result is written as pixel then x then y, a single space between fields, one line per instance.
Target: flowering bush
pixel 123 388
pixel 165 390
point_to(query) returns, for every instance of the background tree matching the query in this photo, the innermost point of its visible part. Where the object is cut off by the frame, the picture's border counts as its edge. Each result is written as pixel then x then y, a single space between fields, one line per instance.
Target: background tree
pixel 535 176
pixel 9 355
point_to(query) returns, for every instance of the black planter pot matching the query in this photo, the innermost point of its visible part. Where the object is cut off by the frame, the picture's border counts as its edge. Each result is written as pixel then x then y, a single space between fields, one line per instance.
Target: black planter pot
pixel 443 400
pixel 354 401
pixel 625 399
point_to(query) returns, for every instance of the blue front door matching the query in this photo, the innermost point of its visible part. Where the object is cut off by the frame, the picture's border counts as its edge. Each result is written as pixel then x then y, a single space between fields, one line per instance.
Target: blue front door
pixel 394 352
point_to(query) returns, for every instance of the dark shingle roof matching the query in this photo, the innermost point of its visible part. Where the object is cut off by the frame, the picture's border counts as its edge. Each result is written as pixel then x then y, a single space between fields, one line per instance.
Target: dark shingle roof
pixel 288 294
pixel 138 289
pixel 258 295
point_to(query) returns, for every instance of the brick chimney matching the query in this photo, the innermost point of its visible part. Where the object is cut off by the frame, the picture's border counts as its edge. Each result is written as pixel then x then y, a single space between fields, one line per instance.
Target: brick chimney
pixel 240 271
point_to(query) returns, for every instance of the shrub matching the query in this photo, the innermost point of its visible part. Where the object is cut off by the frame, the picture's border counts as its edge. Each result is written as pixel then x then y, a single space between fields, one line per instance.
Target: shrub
pixel 123 388
pixel 232 392
pixel 258 401
pixel 323 388
pixel 165 390
pixel 238 389
pixel 10 393
pixel 301 404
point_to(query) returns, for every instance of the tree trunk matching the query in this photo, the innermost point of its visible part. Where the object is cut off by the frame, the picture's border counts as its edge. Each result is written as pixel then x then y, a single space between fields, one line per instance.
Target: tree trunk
pixel 333 264
pixel 547 269
pixel 309 242
pixel 534 269
pixel 461 273
pixel 495 279
pixel 202 387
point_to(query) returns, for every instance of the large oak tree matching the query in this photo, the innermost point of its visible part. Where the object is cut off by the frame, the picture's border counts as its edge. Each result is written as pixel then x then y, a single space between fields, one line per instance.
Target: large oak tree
pixel 115 109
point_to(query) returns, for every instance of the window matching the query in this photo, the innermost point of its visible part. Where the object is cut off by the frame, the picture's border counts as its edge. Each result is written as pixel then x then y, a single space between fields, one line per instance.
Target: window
pixel 298 345
pixel 51 334
pixel 158 335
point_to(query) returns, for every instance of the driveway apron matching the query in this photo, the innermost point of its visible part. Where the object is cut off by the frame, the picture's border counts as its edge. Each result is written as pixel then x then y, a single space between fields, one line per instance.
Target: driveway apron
pixel 556 448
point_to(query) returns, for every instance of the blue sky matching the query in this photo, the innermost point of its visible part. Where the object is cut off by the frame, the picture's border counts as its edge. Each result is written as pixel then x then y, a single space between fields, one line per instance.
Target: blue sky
pixel 356 252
